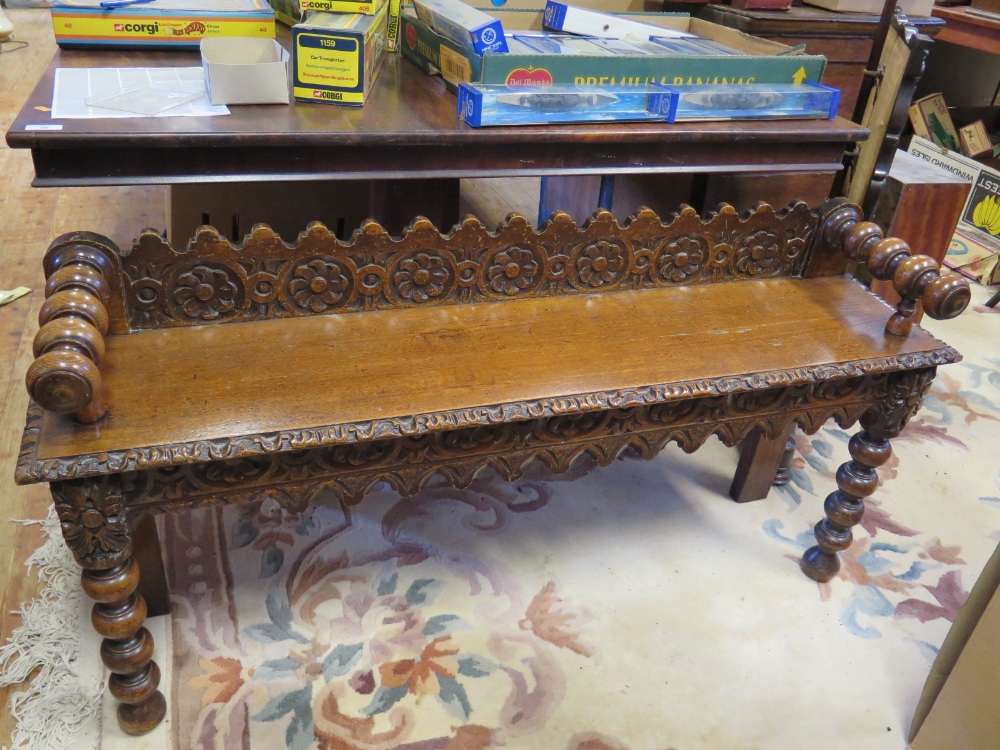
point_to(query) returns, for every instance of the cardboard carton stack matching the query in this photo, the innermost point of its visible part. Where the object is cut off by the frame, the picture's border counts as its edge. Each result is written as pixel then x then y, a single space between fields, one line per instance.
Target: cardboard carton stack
pixel 975 247
pixel 338 46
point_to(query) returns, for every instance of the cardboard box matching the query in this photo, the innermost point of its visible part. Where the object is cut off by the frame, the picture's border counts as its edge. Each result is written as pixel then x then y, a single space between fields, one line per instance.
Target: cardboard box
pixel 606 6
pixel 336 57
pixel 970 257
pixel 931 121
pixel 84 23
pixel 974 139
pixel 245 71
pixel 975 248
pixel 291 12
pixel 462 24
pixel 365 7
pixel 960 704
pixel 981 215
pixel 287 12
pixel 559 16
pixel 771 63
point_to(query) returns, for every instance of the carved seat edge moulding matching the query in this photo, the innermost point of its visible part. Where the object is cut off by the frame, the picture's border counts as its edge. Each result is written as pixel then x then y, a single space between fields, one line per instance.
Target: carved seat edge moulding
pixel 31 468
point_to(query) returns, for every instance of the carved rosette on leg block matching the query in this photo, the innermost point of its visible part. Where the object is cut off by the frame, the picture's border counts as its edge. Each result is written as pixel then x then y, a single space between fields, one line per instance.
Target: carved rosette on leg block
pixel 857 479
pixel 94 524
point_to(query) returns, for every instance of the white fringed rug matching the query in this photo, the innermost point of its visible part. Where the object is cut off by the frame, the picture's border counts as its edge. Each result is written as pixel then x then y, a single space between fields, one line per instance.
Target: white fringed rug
pixel 633 607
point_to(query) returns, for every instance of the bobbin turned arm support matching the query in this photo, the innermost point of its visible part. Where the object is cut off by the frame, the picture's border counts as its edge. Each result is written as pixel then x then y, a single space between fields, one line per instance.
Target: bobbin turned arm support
pixel 69 345
pixel 916 278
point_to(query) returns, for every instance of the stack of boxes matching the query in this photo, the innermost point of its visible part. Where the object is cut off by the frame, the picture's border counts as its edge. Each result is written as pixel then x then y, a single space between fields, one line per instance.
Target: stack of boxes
pixel 338 46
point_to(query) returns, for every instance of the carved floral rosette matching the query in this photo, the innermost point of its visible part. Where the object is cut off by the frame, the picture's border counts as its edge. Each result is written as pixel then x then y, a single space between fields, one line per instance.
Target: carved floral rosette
pixel 888 416
pixel 214 281
pixel 348 471
pixel 92 515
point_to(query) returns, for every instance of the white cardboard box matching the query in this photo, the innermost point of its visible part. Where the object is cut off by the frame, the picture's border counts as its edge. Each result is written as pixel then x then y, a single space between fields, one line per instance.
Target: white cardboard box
pixel 980 220
pixel 245 71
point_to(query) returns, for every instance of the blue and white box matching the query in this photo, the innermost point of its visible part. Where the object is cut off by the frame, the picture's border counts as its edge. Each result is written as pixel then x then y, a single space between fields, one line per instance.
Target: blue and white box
pixel 481 105
pixel 755 101
pixel 572 20
pixel 463 24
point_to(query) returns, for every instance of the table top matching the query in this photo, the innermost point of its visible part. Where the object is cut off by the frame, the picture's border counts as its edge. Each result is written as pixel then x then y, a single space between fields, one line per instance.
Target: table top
pixel 798 20
pixel 968 29
pixel 407 129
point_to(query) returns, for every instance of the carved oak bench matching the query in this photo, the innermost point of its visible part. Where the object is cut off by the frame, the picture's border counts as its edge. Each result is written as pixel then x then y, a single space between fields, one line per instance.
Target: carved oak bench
pixel 166 379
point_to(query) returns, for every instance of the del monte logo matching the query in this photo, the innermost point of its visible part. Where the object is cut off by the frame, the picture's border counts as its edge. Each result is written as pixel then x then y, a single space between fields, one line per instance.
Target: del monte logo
pixel 411 36
pixel 529 76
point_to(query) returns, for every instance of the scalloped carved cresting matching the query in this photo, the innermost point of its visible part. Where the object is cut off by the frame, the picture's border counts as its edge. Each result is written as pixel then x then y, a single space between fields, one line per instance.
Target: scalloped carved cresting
pixel 213 281
pixel 348 471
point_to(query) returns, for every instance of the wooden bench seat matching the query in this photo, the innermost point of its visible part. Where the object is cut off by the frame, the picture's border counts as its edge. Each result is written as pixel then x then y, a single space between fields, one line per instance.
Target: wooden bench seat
pixel 169 378
pixel 172 386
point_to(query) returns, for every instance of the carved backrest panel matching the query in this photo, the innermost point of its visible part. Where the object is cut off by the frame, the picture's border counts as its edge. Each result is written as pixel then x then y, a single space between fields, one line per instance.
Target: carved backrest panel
pixel 213 281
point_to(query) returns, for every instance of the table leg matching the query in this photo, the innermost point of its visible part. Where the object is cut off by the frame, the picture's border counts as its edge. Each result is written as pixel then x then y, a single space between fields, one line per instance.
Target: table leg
pixel 395 203
pixel 857 479
pixel 95 527
pixel 763 462
pixel 148 554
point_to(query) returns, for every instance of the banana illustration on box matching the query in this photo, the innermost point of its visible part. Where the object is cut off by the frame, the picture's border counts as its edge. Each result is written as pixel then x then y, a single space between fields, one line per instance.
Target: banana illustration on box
pixel 986 215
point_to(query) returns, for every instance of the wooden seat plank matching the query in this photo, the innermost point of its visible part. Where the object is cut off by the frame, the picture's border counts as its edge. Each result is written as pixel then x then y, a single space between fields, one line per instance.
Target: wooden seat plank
pixel 178 384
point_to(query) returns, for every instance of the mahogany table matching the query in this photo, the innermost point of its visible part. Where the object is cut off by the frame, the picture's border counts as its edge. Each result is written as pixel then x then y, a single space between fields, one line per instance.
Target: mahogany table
pixel 969 30
pixel 407 129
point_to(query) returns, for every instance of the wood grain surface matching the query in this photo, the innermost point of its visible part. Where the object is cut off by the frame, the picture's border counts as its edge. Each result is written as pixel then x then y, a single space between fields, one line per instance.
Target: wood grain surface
pixel 407 128
pixel 339 369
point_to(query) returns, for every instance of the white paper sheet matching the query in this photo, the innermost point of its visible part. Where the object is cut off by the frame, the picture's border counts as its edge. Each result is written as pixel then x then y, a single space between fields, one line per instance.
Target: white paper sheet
pixel 74 86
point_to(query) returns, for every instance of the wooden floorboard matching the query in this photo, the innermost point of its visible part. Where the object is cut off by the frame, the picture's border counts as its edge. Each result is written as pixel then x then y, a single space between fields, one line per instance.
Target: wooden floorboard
pixel 23 223
pixel 29 219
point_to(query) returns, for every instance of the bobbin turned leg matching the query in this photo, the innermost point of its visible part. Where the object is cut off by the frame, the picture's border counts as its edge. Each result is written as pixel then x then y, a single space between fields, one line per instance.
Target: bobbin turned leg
pixel 844 508
pixel 857 478
pixel 92 516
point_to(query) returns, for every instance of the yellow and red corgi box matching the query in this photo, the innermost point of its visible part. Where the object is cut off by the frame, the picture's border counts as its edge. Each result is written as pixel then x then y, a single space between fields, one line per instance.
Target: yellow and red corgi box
pixel 158 23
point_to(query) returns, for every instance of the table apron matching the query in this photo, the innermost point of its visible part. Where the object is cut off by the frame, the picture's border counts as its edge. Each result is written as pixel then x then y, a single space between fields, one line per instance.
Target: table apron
pixel 131 166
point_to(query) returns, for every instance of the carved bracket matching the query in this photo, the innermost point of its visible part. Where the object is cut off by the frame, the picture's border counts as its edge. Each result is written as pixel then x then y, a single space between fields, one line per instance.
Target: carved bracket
pixel 888 416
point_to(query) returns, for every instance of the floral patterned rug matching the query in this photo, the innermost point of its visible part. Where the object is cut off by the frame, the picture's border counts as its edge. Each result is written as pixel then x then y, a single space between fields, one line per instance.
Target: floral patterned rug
pixel 628 607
